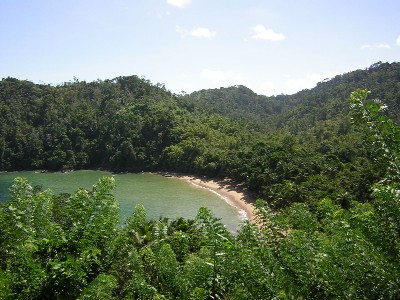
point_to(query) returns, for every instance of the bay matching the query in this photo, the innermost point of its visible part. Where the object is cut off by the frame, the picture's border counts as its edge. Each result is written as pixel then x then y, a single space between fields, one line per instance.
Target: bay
pixel 161 196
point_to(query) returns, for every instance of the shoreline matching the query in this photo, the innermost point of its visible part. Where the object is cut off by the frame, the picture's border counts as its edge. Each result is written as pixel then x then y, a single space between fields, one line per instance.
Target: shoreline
pixel 229 191
pixel 226 190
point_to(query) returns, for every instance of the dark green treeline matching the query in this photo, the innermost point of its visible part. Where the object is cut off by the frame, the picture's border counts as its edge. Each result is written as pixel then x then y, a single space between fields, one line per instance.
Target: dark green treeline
pixel 328 168
pixel 297 148
pixel 72 246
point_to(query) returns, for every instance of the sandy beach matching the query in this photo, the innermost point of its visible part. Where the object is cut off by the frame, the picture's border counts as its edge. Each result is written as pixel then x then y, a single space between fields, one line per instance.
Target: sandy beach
pixel 228 191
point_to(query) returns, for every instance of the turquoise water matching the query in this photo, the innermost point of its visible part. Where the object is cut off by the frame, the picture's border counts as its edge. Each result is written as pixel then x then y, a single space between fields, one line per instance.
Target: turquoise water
pixel 161 196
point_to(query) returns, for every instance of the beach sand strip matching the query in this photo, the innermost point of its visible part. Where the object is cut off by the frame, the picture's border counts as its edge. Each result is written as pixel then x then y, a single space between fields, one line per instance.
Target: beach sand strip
pixel 233 194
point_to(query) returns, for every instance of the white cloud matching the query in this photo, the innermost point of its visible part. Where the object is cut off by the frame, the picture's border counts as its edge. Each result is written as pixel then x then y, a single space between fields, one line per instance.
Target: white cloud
pixel 375 46
pixel 314 78
pixel 223 78
pixel 294 85
pixel 297 84
pixel 182 32
pixel 398 41
pixel 262 33
pixel 267 88
pixel 161 15
pixel 179 3
pixel 202 32
pixel 383 46
pixel 218 78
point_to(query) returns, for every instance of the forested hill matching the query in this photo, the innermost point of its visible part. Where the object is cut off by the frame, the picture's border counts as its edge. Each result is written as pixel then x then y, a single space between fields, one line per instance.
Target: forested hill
pixel 80 124
pixel 237 102
pixel 324 163
pixel 286 149
pixel 341 241
pixel 327 100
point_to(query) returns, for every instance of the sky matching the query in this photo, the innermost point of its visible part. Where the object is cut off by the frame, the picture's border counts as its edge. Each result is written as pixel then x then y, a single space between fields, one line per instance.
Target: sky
pixel 271 46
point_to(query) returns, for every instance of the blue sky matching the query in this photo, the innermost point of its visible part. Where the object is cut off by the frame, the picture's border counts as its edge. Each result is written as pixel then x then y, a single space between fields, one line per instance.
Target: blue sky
pixel 271 46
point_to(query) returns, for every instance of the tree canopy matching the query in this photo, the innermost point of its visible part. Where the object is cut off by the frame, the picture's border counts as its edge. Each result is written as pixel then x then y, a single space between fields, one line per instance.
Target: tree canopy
pixel 72 247
pixel 326 171
pixel 296 148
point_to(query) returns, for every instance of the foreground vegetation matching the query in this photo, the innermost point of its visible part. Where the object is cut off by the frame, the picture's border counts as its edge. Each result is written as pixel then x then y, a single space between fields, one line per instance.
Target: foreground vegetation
pixel 72 247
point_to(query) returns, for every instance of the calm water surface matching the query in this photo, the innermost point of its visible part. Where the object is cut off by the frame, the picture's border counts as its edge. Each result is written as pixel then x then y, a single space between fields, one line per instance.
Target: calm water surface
pixel 161 196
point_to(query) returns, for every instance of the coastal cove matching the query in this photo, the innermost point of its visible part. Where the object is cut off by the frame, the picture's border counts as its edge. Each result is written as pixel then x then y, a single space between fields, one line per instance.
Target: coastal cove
pixel 162 196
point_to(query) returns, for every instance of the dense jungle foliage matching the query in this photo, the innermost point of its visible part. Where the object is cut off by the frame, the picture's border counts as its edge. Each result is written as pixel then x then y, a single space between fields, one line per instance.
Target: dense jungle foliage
pixel 325 169
pixel 285 149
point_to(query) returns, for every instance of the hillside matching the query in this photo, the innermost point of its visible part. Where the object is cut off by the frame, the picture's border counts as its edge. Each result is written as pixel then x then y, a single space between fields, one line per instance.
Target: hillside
pixel 296 148
pixel 329 99
pixel 72 246
pixel 324 163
